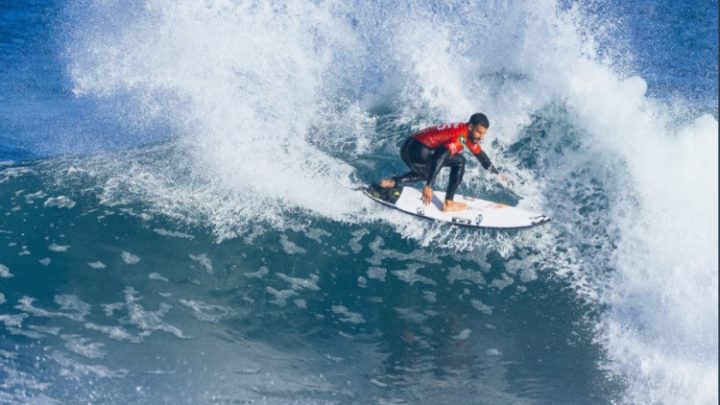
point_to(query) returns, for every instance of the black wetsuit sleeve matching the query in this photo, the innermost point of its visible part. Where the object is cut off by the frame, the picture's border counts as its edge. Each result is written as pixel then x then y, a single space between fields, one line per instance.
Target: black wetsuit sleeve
pixel 438 160
pixel 485 162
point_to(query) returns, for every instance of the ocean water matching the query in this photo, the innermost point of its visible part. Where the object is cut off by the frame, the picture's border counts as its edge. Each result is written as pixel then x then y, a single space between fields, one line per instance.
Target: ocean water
pixel 179 226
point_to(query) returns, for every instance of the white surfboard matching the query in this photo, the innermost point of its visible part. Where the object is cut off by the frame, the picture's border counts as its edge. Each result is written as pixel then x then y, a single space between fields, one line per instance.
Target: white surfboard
pixel 479 213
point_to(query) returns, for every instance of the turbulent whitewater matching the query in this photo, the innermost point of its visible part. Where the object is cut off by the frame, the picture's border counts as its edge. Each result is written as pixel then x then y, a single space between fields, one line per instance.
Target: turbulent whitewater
pixel 179 224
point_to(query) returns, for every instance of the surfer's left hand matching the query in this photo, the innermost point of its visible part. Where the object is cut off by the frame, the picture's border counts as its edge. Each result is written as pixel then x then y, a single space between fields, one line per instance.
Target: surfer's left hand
pixel 427 195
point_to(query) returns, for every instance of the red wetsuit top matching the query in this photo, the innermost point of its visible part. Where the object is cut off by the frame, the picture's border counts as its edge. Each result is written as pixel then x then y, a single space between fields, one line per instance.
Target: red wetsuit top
pixel 451 136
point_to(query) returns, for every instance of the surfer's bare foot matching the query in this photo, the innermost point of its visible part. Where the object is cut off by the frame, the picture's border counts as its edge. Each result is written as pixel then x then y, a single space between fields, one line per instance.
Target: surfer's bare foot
pixel 387 183
pixel 450 206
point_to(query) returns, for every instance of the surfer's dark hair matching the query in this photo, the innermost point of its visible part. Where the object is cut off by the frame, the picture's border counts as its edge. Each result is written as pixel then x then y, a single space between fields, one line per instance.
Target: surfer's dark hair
pixel 479 119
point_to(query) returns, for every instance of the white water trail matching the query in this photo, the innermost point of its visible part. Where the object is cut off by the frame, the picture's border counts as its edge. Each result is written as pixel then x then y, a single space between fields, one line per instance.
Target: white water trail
pixel 247 80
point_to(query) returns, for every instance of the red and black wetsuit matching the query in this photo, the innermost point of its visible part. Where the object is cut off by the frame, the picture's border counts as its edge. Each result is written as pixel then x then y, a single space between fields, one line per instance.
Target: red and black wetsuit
pixel 428 151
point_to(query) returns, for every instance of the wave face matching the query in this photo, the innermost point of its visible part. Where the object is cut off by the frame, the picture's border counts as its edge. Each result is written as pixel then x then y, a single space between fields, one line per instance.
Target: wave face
pixel 192 224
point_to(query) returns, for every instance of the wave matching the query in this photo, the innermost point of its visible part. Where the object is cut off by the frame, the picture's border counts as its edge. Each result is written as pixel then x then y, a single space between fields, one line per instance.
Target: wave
pixel 275 104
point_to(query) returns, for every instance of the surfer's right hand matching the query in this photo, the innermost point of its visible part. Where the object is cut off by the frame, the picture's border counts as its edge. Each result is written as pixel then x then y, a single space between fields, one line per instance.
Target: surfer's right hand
pixel 427 195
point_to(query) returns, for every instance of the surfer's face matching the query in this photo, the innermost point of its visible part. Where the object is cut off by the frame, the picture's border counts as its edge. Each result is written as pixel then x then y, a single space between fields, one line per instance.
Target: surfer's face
pixel 476 133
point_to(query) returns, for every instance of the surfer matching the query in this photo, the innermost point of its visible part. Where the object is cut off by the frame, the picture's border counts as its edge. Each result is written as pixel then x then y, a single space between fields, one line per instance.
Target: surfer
pixel 428 151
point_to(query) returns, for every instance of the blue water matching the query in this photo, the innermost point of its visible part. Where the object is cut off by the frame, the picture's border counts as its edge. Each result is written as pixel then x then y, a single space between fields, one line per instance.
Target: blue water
pixel 178 224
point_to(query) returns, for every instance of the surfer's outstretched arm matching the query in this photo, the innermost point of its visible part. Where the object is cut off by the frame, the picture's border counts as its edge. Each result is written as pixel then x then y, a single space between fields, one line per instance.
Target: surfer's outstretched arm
pixel 487 165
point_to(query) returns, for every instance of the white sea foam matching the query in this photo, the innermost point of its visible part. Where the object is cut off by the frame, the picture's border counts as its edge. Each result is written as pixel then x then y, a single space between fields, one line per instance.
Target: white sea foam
pixel 430 296
pixel 58 248
pixel 463 335
pixel 412 315
pixel 157 277
pixel 148 321
pixel 493 352
pixel 29 198
pixel 71 307
pixel 73 370
pixel 83 346
pixel 49 330
pixel 377 273
pixel 354 243
pixel 59 202
pixel 205 312
pixel 504 281
pixel 262 119
pixel 663 293
pixel 114 332
pixel 456 273
pixel 12 320
pixel 410 275
pixel 5 271
pixel 10 173
pixel 262 272
pixel 480 306
pixel 26 333
pixel 129 258
pixel 290 247
pixel 297 283
pixel 173 234
pixel 73 303
pixel 280 296
pixel 348 316
pixel 316 234
pixel 204 261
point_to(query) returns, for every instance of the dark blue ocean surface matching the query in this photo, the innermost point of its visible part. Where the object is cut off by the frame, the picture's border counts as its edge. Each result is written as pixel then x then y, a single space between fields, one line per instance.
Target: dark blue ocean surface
pixel 179 226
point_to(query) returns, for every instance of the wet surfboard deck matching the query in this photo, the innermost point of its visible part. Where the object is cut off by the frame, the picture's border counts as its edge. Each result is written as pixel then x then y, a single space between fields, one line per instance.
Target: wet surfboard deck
pixel 479 213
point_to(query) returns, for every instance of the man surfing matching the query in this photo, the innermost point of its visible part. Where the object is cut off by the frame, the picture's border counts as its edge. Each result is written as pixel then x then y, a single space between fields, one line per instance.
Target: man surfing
pixel 428 151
